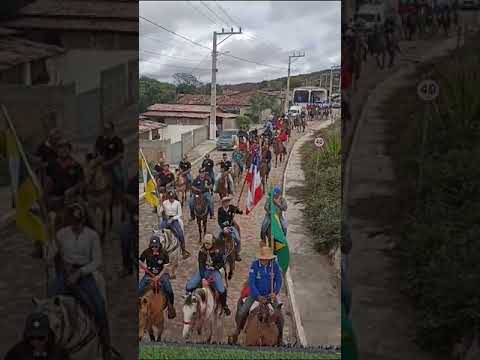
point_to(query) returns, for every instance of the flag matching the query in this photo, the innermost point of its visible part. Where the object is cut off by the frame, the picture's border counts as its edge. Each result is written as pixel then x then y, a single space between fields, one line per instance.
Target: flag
pixel 149 182
pixel 254 182
pixel 280 240
pixel 26 190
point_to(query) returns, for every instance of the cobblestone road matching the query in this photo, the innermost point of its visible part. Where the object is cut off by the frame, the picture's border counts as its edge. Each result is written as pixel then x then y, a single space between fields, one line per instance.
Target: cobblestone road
pixel 250 231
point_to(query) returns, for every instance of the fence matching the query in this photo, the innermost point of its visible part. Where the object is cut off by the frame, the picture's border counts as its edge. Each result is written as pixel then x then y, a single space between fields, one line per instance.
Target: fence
pixel 165 150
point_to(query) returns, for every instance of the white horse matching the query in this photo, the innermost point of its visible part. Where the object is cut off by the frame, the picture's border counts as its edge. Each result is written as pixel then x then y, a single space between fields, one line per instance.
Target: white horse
pixel 172 246
pixel 74 330
pixel 202 311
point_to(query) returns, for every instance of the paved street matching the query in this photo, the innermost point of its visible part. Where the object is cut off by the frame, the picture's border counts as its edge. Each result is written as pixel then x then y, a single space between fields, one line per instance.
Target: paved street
pixel 250 230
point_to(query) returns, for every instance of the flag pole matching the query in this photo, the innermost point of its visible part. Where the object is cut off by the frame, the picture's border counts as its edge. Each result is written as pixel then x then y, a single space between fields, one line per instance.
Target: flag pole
pixel 43 208
pixel 153 179
pixel 241 191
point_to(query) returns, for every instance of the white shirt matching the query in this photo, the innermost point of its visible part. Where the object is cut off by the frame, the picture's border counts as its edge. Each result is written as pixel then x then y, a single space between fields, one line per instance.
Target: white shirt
pixel 173 209
pixel 83 249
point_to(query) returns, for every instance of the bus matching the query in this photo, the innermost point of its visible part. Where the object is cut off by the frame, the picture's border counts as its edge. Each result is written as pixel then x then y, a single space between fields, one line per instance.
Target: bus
pixel 304 96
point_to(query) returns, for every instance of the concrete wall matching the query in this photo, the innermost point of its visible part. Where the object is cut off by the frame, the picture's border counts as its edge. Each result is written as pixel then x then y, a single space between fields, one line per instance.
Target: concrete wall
pixel 230 124
pixel 174 132
pixel 193 138
pixel 185 121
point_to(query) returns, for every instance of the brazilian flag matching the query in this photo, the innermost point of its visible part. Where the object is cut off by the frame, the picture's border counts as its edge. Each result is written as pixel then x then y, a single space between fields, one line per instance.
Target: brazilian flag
pixel 349 343
pixel 278 236
pixel 29 217
pixel 149 182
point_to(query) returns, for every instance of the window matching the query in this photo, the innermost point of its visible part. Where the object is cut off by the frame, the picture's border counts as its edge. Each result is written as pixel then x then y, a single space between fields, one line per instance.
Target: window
pixel 300 96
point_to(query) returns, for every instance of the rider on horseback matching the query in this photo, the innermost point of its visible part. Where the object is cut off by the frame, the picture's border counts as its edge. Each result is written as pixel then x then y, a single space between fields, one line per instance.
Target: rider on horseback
pixel 173 214
pixel 80 258
pixel 281 205
pixel 208 165
pixel 226 214
pixel 260 285
pixel 185 167
pixel 165 180
pixel 226 166
pixel 210 261
pixel 202 185
pixel 154 259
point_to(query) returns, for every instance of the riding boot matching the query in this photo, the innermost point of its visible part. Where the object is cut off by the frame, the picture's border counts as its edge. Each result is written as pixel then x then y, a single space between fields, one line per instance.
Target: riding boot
pixel 184 252
pixel 223 301
pixel 170 306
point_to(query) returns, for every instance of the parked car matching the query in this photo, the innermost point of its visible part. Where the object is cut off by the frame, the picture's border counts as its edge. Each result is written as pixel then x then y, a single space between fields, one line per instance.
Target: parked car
pixel 227 140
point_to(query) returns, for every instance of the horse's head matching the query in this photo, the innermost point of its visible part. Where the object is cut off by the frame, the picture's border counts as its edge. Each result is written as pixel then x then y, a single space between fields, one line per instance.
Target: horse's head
pixel 143 309
pixel 56 312
pixel 190 313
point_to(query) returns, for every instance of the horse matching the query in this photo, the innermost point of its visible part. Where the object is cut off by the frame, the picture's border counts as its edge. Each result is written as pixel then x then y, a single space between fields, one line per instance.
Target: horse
pixel 229 250
pixel 171 245
pixel 152 312
pixel 201 212
pixel 222 189
pixel 279 150
pixel 261 328
pixel 99 193
pixel 182 186
pixel 73 328
pixel 264 173
pixel 201 311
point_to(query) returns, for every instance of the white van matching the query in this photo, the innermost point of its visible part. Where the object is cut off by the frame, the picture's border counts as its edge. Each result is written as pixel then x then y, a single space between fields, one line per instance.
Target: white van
pixel 294 111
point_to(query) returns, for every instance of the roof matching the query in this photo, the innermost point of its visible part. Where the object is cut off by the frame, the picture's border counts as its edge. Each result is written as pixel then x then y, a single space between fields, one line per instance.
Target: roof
pixel 177 114
pixel 232 99
pixel 147 125
pixel 15 51
pixel 82 9
pixel 180 108
pixel 113 16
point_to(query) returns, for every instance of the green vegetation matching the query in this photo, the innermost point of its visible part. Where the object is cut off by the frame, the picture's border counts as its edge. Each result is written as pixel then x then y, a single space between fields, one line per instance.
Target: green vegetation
pixel 244 122
pixel 207 353
pixel 152 91
pixel 259 103
pixel 322 168
pixel 439 253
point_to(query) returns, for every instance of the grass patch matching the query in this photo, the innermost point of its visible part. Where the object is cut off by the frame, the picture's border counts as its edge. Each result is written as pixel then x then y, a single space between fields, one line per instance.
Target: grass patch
pixel 199 352
pixel 322 168
pixel 439 252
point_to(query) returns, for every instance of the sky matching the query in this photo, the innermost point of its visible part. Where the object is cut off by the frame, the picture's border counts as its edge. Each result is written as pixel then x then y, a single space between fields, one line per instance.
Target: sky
pixel 271 31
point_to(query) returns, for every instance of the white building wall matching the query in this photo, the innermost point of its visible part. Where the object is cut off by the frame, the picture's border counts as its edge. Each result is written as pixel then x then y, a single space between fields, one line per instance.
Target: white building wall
pixel 174 132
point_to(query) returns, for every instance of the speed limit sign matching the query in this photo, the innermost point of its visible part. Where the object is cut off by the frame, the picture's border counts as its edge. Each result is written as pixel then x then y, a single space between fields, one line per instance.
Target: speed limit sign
pixel 319 142
pixel 428 90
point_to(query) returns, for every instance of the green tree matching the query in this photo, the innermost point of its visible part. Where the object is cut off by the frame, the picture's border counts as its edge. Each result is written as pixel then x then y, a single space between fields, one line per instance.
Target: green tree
pixel 187 83
pixel 152 91
pixel 257 104
pixel 244 122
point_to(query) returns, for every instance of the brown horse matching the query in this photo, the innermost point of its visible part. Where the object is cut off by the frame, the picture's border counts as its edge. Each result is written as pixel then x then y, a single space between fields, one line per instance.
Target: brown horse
pixel 201 212
pixel 182 187
pixel 264 173
pixel 229 250
pixel 279 150
pixel 152 312
pixel 261 328
pixel 222 189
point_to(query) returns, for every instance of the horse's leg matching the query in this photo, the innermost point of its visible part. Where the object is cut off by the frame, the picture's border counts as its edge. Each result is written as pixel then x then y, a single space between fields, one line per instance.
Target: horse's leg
pixel 199 224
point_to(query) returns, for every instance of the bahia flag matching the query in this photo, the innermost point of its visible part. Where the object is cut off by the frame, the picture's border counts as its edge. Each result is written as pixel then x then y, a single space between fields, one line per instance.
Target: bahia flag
pixel 254 182
pixel 280 240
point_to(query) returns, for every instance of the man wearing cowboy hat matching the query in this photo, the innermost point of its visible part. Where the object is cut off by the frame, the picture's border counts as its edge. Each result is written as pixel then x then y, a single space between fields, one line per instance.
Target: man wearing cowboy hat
pixel 202 185
pixel 210 261
pixel 38 341
pixel 260 285
pixel 208 165
pixel 154 260
pixel 80 259
pixel 172 216
pixel 226 166
pixel 225 215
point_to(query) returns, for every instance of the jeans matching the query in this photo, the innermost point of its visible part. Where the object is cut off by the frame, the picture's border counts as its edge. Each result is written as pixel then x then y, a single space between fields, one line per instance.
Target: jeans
pixel 266 225
pixel 235 236
pixel 128 241
pixel 208 198
pixel 164 282
pixel 176 229
pixel 85 291
pixel 195 281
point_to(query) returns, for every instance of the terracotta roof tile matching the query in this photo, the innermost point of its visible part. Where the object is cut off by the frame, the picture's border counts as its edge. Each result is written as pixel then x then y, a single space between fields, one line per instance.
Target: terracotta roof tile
pixel 180 108
pixel 162 114
pixel 147 125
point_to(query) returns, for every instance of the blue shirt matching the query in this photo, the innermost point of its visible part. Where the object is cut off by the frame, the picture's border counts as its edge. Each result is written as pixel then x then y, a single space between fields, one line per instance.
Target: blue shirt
pixel 202 185
pixel 259 279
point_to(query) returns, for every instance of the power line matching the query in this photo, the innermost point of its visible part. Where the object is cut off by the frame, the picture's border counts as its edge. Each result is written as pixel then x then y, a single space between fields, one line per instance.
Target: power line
pixel 175 66
pixel 201 12
pixel 169 56
pixel 226 14
pixel 214 13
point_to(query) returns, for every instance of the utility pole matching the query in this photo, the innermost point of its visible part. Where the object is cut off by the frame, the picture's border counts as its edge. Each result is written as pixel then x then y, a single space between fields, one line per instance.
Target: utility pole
pixel 287 94
pixel 331 82
pixel 213 92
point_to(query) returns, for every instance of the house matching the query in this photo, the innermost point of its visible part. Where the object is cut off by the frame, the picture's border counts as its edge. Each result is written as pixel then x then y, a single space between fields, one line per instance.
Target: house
pixel 151 130
pixel 88 72
pixel 177 114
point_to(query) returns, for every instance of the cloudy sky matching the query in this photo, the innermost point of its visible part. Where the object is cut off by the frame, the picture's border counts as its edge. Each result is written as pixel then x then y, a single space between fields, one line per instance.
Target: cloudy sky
pixel 271 31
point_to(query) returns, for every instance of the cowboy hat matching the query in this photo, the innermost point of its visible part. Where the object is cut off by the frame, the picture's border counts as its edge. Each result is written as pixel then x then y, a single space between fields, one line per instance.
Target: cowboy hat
pixel 266 253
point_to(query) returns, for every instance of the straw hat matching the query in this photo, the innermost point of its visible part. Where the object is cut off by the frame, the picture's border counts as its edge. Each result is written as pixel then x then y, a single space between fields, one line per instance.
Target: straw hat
pixel 266 253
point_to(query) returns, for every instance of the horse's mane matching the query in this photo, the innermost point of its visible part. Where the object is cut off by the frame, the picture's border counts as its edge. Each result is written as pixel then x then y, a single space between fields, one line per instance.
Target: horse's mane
pixel 203 295
pixel 189 300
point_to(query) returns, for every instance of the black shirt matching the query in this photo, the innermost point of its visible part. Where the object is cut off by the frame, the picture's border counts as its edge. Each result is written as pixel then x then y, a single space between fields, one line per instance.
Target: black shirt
pixel 226 216
pixel 164 179
pixel 155 263
pixel 202 185
pixel 109 148
pixel 24 351
pixel 226 165
pixel 208 164
pixel 64 174
pixel 210 259
pixel 46 153
pixel 185 165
